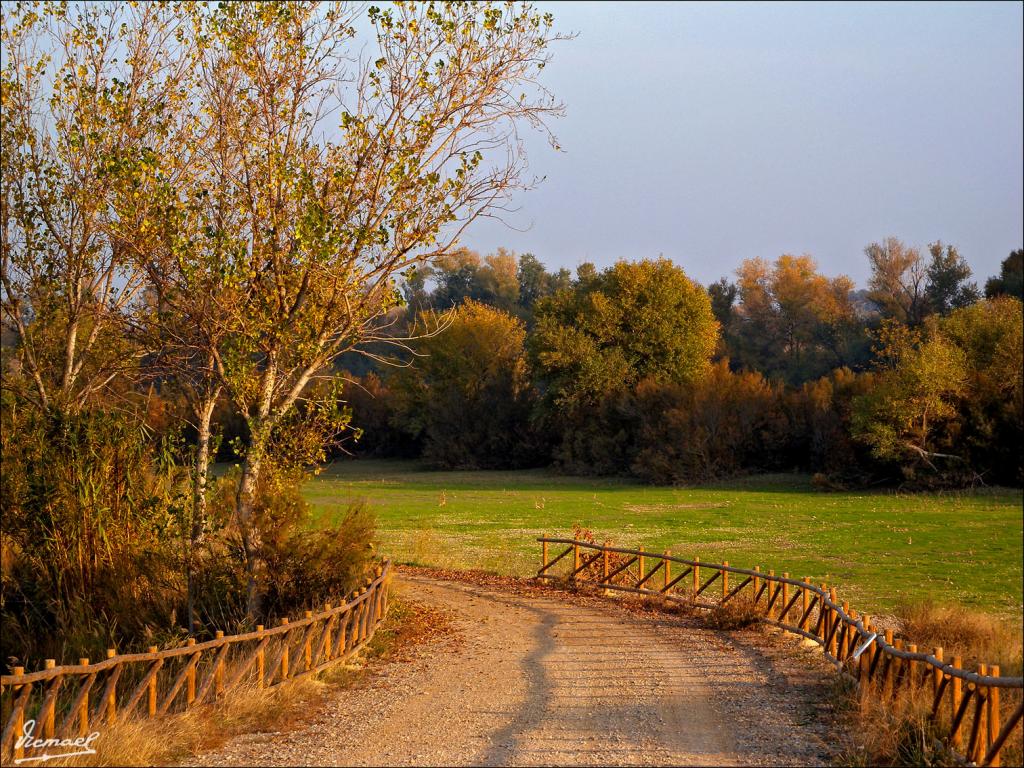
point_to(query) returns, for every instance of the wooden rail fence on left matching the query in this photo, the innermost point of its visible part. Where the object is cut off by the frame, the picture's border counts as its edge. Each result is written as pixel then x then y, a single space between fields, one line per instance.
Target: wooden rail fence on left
pixel 73 700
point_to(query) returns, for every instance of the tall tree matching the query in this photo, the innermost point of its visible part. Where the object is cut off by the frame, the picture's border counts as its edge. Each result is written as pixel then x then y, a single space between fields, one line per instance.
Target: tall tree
pixel 792 322
pixel 922 375
pixel 723 297
pixel 467 398
pixel 948 274
pixel 1010 280
pixel 535 282
pixel 90 94
pixel 898 283
pixel 634 320
pixel 305 235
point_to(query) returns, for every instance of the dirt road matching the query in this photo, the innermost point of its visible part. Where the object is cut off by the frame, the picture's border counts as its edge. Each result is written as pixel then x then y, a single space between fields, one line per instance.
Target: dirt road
pixel 537 678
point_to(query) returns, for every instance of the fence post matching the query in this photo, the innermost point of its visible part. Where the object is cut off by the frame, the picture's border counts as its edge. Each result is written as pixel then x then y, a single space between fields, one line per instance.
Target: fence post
pixel 806 602
pixel 641 563
pixel 667 569
pixel 544 552
pixel 887 679
pixel 899 664
pixel 575 560
pixel 604 572
pixel 218 675
pixel 844 650
pixel 19 720
pixel 284 651
pixel 365 622
pixel 869 652
pixel 327 634
pixel 757 584
pixel 981 712
pixel 111 702
pixel 378 592
pixel 863 665
pixel 832 621
pixel 936 673
pixel 357 636
pixel 865 620
pixel 785 595
pixel 696 576
pixel 957 684
pixel 912 667
pixel 725 579
pixel 260 658
pixel 993 717
pixel 190 679
pixel 83 710
pixel 50 715
pixel 152 687
pixel 307 650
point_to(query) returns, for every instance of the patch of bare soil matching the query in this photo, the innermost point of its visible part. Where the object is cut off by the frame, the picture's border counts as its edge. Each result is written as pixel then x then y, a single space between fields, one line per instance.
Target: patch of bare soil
pixel 529 675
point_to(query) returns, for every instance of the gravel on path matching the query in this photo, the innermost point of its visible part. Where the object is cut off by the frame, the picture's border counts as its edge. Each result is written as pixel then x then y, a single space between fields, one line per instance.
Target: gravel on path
pixel 539 677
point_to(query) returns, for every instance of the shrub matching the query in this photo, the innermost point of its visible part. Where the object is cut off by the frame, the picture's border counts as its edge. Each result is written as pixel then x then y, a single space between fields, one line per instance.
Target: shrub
pixel 303 565
pixel 726 423
pixel 91 515
pixel 467 397
pixel 738 613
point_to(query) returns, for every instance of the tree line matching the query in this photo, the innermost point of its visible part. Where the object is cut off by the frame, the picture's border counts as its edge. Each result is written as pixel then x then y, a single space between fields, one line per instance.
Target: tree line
pixel 636 369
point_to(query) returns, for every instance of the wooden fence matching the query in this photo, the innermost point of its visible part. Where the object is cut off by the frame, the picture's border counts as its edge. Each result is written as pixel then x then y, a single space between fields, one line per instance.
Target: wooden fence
pixel 69 702
pixel 965 705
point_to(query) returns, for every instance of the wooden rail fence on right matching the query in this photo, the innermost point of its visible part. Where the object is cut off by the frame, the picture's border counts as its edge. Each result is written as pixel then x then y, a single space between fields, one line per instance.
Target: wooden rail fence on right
pixel 965 705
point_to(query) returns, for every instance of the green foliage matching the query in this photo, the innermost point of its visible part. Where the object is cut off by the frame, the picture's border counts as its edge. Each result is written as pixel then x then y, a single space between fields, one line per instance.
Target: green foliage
pixel 948 396
pixel 535 282
pixel 723 297
pixel 305 563
pixel 467 397
pixel 1010 280
pixel 592 344
pixel 991 429
pixel 948 273
pixel 914 399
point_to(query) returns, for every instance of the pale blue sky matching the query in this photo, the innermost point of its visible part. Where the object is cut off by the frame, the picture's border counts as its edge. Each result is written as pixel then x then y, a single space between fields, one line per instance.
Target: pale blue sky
pixel 716 132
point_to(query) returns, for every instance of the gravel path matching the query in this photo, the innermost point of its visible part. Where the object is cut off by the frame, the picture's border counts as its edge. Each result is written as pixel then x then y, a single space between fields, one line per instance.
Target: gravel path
pixel 535 677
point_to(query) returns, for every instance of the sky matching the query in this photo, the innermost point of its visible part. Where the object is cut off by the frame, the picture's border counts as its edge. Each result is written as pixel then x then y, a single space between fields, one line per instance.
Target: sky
pixel 711 133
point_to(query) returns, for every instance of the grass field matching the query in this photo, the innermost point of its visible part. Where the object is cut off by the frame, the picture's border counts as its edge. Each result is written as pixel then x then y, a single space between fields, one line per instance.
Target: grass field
pixel 879 548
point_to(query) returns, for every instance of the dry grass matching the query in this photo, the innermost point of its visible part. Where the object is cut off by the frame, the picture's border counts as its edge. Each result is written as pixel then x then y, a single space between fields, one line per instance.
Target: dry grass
pixel 978 637
pixel 899 731
pixel 738 613
pixel 173 739
pixel 896 732
pixel 187 735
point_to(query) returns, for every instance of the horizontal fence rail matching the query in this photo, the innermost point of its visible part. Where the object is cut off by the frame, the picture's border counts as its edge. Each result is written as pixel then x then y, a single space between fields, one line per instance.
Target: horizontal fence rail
pixel 965 704
pixel 69 702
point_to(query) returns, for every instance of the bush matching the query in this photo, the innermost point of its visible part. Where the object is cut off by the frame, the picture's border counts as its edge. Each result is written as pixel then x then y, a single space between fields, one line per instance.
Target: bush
pixel 303 565
pixel 726 423
pixel 467 397
pixel 91 515
pixel 819 428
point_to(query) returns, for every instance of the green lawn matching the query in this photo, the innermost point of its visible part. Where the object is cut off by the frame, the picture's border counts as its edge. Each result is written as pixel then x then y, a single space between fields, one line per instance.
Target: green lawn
pixel 877 547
